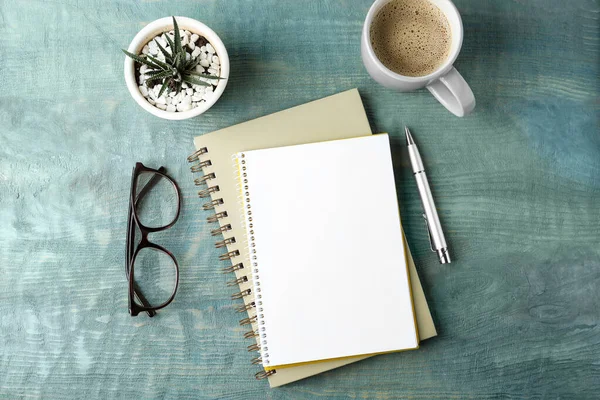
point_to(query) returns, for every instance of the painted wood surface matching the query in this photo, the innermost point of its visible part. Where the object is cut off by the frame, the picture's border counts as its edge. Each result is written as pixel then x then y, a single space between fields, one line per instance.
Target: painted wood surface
pixel 517 185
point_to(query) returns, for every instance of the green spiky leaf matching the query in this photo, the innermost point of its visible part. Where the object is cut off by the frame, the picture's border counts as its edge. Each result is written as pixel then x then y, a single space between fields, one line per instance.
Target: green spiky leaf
pixel 160 76
pixel 212 77
pixel 140 59
pixel 171 44
pixel 194 81
pixel 159 71
pixel 168 57
pixel 178 47
pixel 161 64
pixel 165 86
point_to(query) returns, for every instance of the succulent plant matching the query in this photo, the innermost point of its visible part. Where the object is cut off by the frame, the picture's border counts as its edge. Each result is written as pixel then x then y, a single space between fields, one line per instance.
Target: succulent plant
pixel 176 68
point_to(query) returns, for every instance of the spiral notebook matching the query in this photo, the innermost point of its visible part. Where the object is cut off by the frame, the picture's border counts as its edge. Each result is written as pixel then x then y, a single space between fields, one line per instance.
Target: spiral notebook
pixel 317 260
pixel 334 117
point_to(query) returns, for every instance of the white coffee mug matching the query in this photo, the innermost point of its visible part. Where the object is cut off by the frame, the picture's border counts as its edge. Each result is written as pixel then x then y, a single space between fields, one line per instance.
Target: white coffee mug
pixel 446 84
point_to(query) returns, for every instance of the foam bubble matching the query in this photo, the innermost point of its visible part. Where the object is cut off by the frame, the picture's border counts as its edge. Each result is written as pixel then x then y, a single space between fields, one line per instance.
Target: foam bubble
pixel 411 37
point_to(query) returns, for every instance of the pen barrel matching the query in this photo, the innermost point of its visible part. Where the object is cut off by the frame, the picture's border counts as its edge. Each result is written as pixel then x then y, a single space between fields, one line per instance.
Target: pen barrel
pixel 433 220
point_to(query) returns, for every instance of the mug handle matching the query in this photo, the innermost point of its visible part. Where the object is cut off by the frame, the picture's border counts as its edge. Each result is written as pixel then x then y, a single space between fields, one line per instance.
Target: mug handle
pixel 454 93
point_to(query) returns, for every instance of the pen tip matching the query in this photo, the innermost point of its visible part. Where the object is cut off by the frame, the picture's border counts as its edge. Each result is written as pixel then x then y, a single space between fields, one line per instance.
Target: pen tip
pixel 409 138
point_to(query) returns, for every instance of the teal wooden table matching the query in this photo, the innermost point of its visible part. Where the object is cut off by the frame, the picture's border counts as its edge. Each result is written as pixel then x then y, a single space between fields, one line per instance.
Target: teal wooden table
pixel 517 185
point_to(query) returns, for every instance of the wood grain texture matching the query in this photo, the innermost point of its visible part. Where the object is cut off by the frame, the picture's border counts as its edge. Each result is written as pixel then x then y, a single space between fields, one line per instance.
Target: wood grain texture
pixel 517 185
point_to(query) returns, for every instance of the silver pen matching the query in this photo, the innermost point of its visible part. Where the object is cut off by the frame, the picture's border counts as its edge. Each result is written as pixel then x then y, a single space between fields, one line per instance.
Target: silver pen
pixel 434 228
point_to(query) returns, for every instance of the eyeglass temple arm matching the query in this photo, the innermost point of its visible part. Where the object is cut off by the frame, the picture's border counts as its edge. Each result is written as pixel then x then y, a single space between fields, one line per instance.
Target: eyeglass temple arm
pixel 149 185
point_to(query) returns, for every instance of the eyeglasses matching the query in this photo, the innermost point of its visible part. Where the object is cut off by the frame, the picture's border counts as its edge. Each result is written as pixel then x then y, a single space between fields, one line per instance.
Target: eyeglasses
pixel 154 206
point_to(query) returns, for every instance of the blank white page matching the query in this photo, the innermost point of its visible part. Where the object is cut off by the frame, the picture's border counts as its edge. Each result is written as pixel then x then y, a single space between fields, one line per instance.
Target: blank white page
pixel 330 274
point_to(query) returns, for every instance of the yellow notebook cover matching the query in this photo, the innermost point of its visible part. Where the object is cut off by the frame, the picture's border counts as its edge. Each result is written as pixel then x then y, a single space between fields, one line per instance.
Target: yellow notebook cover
pixel 334 117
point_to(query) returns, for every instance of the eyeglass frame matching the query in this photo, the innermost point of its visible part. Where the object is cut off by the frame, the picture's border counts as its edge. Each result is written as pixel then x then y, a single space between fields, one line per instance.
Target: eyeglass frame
pixel 131 254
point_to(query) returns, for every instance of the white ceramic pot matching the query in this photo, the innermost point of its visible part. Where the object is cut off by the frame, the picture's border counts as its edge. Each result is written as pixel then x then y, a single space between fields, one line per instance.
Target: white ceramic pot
pixel 166 24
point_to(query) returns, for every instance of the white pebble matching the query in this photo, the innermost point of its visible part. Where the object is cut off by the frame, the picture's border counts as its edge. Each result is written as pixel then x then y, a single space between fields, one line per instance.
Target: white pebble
pixel 215 59
pixel 196 52
pixel 176 99
pixel 194 37
pixel 171 108
pixel 160 56
pixel 187 33
pixel 189 91
pixel 152 94
pixel 208 89
pixel 146 49
pixel 192 45
pixel 143 90
pixel 200 68
pixel 203 56
pixel 204 62
pixel 203 49
pixel 184 85
pixel 184 107
pixel 143 68
pixel 188 56
pixel 186 99
pixel 181 33
pixel 209 48
pixel 212 71
pixel 185 40
pixel 168 99
pixel 171 94
pixel 196 97
pixel 151 101
pixel 199 89
pixel 161 100
pixel 160 40
pixel 153 47
pixel 161 106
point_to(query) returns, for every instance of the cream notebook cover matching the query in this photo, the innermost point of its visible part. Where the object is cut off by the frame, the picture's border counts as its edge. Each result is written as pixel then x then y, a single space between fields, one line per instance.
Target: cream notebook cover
pixel 334 117
pixel 310 245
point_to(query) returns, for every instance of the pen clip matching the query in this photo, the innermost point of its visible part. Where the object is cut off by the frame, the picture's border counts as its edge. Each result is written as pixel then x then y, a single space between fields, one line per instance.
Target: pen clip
pixel 428 233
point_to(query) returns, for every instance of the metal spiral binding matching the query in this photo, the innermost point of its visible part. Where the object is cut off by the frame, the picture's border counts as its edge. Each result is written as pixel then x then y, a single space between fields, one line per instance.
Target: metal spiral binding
pixel 254 347
pixel 212 204
pixel 201 181
pixel 256 361
pixel 248 321
pixel 238 281
pixel 241 294
pixel 233 268
pixel 220 230
pixel 194 156
pixel 229 255
pixel 224 242
pixel 199 166
pixel 245 307
pixel 217 217
pixel 264 374
pixel 206 192
pixel 250 334
pixel 247 212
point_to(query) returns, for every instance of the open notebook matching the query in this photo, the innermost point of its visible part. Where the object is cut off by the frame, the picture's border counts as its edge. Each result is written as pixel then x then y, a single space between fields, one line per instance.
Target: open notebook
pixel 334 117
pixel 329 280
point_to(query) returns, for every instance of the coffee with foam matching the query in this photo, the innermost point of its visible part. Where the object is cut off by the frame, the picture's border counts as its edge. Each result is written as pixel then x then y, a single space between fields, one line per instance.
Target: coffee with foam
pixel 411 37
